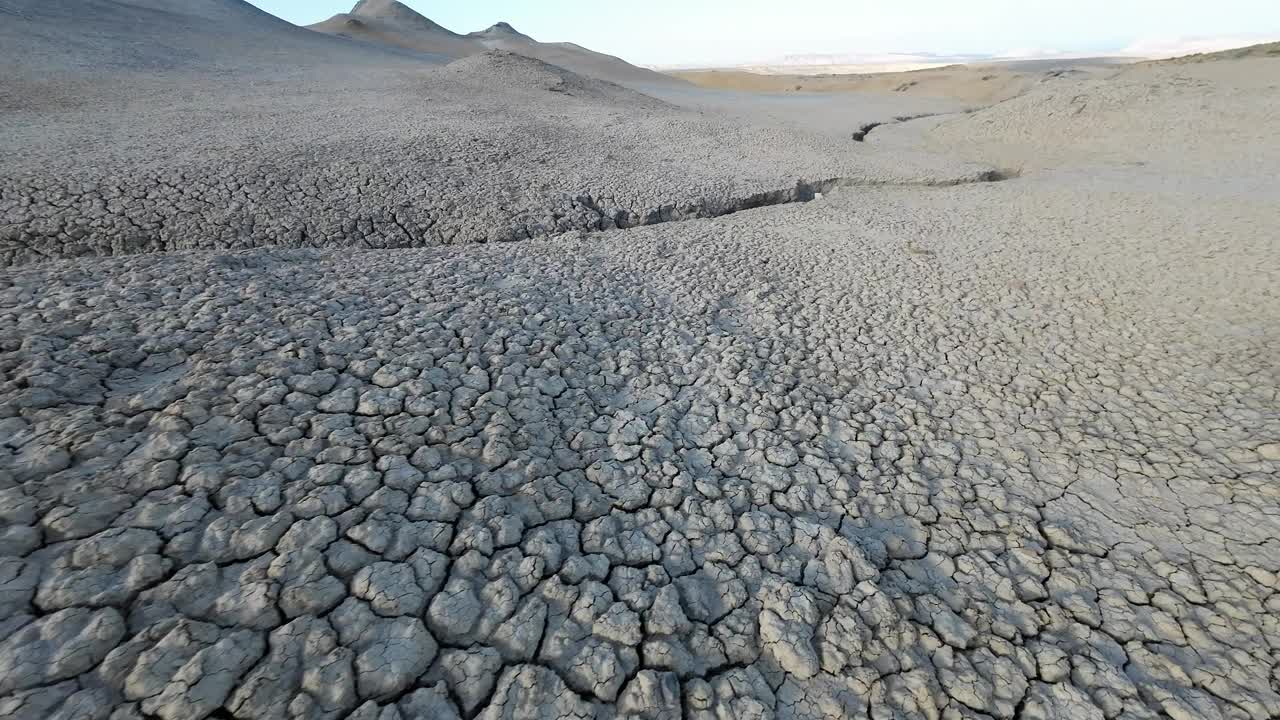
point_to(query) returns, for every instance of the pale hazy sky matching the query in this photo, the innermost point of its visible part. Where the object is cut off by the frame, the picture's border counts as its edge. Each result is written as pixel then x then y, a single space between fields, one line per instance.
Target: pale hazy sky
pixel 722 32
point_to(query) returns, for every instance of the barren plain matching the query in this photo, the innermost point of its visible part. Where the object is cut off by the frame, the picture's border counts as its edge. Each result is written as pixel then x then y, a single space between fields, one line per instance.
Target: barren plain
pixel 349 378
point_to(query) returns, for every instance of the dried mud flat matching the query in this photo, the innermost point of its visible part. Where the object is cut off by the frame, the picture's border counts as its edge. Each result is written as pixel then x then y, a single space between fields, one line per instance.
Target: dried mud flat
pixel 926 448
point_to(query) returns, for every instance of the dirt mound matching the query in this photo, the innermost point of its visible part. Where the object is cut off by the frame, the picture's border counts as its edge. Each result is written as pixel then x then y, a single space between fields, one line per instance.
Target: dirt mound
pixel 392 10
pixel 514 71
pixel 591 63
pixel 574 57
pixel 499 32
pixel 388 22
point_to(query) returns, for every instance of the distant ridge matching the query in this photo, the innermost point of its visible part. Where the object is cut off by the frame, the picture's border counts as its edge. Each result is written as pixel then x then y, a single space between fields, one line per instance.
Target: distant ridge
pixel 1263 50
pixel 388 22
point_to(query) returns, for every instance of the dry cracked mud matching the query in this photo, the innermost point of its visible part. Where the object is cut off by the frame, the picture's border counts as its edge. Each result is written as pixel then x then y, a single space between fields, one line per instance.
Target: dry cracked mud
pixel 701 470
pixel 925 448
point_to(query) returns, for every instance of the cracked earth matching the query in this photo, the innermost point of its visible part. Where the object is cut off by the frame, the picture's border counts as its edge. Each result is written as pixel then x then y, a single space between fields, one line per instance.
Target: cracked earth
pixel 924 447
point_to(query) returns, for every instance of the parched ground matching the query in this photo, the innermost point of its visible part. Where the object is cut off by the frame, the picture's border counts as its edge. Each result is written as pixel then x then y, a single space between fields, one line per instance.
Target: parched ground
pixel 817 461
pixel 923 447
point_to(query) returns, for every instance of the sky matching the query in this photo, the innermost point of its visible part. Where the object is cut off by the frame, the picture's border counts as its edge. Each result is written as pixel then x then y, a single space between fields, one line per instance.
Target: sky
pixel 706 33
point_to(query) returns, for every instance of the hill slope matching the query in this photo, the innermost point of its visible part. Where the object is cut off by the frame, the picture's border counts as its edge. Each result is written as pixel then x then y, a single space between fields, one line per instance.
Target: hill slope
pixel 47 37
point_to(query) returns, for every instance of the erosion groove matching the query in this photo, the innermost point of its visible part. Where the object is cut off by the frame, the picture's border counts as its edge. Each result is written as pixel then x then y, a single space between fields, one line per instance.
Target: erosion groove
pixel 95 224
pixel 860 135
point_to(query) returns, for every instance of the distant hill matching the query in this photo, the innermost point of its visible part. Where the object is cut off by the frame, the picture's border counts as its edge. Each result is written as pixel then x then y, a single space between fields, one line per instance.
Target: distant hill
pixel 389 22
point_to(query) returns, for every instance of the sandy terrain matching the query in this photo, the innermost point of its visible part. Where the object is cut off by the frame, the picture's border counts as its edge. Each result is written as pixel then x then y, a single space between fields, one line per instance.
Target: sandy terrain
pixel 1165 124
pixel 958 82
pixel 982 84
pixel 293 441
